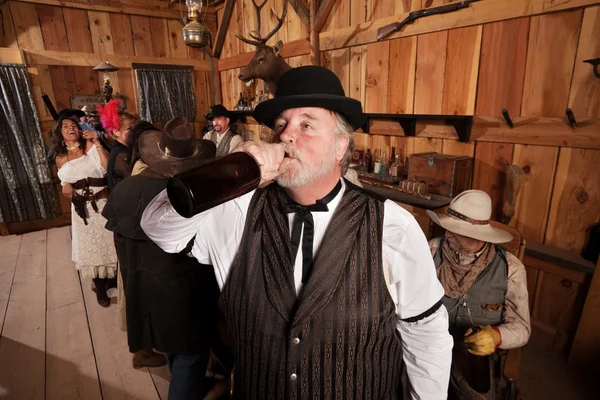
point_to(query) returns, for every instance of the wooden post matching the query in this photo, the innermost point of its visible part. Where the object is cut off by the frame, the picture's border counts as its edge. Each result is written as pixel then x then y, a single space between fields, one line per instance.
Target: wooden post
pixel 315 54
pixel 585 352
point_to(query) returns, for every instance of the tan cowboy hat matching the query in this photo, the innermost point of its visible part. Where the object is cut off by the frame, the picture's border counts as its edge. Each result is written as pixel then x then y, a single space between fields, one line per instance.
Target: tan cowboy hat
pixel 175 149
pixel 469 215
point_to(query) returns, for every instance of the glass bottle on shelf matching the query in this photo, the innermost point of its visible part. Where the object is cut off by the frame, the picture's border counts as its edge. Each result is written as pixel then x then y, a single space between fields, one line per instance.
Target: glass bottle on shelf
pixel 392 157
pixel 377 162
pixel 385 165
pixel 369 161
pixel 240 103
pixel 397 167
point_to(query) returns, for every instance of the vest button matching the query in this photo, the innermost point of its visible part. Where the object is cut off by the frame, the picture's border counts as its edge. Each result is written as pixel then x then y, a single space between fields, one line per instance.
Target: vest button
pixel 296 340
pixel 293 377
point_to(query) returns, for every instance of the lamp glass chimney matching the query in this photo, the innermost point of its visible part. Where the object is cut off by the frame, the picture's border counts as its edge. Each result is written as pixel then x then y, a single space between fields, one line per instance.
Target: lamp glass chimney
pixel 194 6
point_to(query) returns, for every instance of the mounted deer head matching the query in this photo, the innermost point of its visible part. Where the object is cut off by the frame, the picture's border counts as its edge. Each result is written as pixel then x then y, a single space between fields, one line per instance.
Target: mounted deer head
pixel 267 63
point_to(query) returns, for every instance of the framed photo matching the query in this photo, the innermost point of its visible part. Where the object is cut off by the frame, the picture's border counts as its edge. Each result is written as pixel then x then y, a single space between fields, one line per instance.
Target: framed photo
pixel 78 101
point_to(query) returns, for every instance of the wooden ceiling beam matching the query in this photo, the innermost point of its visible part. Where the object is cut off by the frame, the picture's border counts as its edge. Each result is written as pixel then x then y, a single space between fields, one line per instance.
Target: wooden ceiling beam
pixel 302 10
pixel 323 13
pixel 78 59
pixel 151 8
pixel 223 26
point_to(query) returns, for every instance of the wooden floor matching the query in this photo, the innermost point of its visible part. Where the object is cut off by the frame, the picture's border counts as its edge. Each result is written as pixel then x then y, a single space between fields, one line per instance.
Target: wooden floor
pixel 56 342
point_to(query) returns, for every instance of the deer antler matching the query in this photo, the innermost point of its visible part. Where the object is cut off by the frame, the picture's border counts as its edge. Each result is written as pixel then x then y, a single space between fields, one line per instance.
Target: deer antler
pixel 255 34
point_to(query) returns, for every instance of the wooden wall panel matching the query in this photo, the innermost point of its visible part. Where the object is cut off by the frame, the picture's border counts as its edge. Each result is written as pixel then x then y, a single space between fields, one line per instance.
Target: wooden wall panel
pixel 558 303
pixel 100 29
pixel 295 62
pixel 9 36
pixel 575 200
pixel 203 96
pixel 489 173
pixel 159 34
pixel 358 68
pixel 381 9
pixel 431 67
pixel 293 25
pixel 358 11
pixel 53 29
pixel 457 148
pixel 77 25
pixel 250 23
pixel 377 77
pixel 27 26
pixel 552 46
pixel 339 62
pixel 401 78
pixel 142 36
pixel 177 47
pixel 427 145
pixel 63 84
pixel 339 17
pixel 41 83
pixel 86 81
pixel 121 27
pixel 584 98
pixel 127 88
pixel 533 201
pixel 502 68
pixel 462 68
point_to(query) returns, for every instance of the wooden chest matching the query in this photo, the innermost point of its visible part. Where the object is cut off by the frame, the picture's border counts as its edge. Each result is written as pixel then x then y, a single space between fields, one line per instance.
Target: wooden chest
pixel 446 175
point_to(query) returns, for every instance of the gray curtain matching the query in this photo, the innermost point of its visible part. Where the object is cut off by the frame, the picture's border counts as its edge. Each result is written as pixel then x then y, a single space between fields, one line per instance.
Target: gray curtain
pixel 165 93
pixel 26 190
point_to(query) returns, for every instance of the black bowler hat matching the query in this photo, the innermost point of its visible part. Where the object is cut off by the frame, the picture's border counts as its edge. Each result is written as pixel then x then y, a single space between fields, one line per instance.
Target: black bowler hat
pixel 310 86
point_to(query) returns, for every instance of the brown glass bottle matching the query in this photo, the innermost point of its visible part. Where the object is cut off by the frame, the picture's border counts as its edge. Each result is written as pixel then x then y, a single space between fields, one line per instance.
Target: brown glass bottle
pixel 369 161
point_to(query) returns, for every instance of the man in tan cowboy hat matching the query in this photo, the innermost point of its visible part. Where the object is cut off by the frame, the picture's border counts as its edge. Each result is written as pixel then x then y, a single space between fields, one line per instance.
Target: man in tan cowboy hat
pixel 485 286
pixel 171 300
pixel 325 288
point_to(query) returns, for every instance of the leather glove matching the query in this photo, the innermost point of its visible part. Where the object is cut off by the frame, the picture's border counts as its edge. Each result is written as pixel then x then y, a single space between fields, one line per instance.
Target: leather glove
pixel 484 341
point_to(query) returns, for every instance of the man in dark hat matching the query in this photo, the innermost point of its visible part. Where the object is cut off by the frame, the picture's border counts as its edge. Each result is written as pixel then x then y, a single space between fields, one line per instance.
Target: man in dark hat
pixel 325 287
pixel 171 300
pixel 221 135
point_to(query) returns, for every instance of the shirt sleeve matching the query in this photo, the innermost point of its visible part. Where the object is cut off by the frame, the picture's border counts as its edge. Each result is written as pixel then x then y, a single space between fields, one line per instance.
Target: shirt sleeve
pixel 426 342
pixel 516 328
pixel 216 233
pixel 237 139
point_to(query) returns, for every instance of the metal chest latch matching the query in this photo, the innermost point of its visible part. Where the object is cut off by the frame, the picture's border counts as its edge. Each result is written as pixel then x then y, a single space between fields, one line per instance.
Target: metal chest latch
pixel 430 160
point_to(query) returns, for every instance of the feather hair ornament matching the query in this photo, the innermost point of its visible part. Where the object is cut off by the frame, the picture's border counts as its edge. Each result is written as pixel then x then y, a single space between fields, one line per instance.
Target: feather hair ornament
pixel 109 116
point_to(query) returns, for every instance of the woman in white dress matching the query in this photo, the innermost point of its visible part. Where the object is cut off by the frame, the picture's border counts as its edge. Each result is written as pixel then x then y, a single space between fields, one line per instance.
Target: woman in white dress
pixel 81 163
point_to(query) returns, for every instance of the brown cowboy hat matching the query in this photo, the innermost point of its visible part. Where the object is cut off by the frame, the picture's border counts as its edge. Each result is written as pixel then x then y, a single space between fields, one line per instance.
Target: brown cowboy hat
pixel 175 149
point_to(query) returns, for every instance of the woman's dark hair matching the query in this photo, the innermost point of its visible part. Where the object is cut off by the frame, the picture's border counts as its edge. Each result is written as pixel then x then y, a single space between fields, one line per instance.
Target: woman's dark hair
pixel 58 145
pixel 134 136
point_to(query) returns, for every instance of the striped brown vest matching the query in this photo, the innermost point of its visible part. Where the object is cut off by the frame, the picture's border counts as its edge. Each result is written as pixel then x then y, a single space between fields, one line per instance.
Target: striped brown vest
pixel 338 340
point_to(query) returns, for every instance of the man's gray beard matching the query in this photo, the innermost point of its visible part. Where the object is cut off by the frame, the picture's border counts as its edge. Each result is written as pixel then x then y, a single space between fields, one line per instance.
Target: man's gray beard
pixel 308 172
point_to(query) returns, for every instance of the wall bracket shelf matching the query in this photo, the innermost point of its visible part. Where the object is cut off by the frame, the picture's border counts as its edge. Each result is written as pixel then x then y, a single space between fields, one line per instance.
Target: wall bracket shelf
pixel 462 123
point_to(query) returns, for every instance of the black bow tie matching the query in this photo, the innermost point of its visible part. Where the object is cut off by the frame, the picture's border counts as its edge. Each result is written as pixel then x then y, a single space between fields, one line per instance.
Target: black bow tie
pixel 304 217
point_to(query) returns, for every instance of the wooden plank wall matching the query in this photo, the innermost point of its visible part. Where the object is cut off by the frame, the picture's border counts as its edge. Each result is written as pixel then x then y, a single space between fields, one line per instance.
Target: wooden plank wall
pixel 532 66
pixel 29 26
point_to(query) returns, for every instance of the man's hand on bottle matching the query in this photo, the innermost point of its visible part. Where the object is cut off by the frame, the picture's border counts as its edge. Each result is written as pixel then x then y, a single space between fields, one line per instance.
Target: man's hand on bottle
pixel 270 157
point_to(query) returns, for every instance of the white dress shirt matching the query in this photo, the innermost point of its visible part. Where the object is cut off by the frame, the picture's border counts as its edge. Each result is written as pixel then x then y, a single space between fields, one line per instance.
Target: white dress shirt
pixel 408 270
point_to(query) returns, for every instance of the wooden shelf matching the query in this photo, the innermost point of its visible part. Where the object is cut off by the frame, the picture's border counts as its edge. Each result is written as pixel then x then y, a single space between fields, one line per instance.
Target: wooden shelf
pixel 461 123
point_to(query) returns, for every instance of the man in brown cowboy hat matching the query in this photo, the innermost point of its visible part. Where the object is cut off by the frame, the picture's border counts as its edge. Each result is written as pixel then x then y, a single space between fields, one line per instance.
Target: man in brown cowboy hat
pixel 171 298
pixel 485 286
pixel 325 288
pixel 221 134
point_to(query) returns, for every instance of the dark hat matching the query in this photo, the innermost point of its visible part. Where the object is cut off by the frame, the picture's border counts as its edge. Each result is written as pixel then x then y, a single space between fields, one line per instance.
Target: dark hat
pixel 218 110
pixel 310 86
pixel 68 113
pixel 208 116
pixel 175 149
